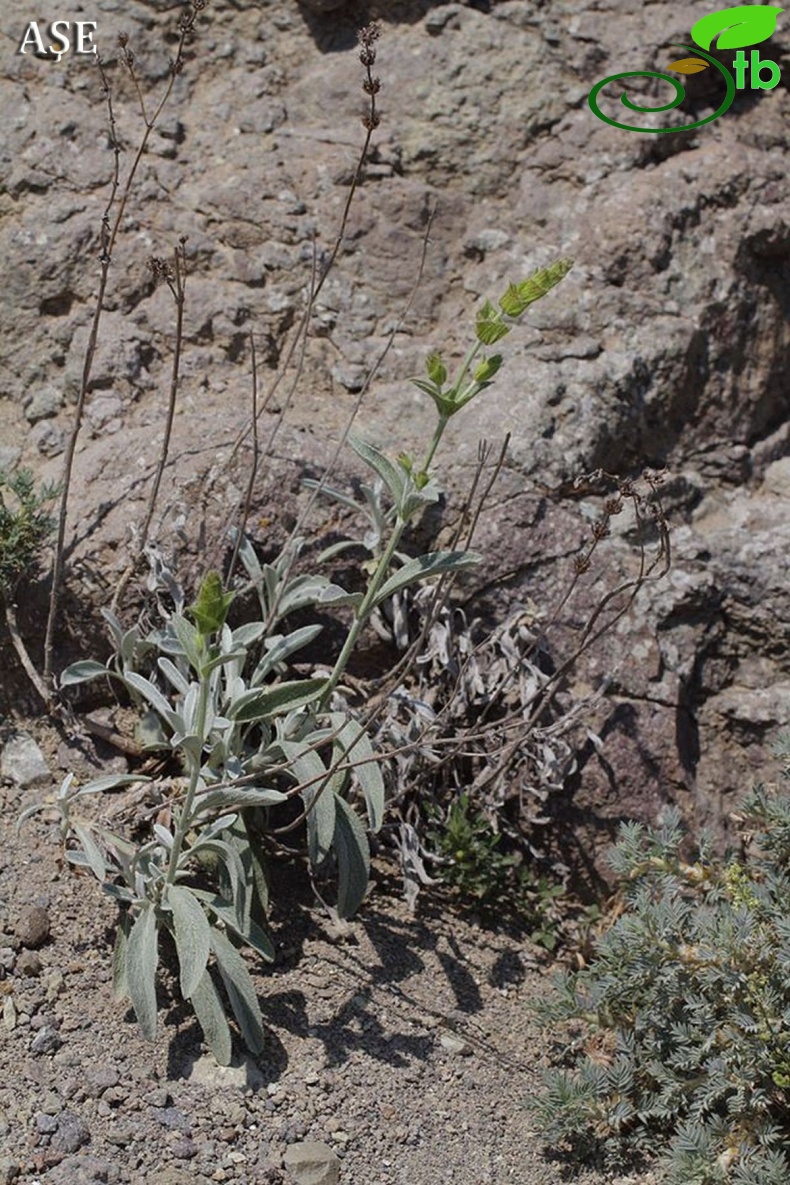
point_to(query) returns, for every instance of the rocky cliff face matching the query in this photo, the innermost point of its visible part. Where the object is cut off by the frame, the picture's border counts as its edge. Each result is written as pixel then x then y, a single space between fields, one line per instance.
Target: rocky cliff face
pixel 667 346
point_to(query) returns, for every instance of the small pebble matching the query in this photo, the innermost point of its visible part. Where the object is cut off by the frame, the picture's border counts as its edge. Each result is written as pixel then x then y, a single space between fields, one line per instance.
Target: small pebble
pixel 103 1077
pixel 72 1133
pixel 455 1045
pixel 28 963
pixel 33 927
pixel 9 1170
pixel 10 1015
pixel 51 1104
pixel 46 1124
pixel 45 1041
pixel 184 1148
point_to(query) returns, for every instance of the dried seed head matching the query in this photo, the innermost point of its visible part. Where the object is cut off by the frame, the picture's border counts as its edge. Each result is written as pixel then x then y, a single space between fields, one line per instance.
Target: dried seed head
pixel 368 36
pixel 160 268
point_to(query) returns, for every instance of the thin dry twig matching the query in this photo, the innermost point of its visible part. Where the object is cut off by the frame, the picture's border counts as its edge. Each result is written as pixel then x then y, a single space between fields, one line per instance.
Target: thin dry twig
pixel 23 654
pixel 175 278
pixel 370 121
pixel 108 235
pixel 253 467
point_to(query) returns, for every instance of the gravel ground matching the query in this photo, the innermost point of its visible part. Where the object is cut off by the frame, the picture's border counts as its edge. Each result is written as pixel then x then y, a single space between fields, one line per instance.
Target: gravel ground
pixel 404 1043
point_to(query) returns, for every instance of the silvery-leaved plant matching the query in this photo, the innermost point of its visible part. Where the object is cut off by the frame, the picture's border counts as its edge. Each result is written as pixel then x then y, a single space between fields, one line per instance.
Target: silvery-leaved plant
pixel 249 739
pixel 411 487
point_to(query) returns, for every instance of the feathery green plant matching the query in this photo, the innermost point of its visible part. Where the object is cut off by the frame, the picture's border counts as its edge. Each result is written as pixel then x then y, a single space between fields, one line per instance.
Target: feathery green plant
pixel 25 526
pixel 681 1023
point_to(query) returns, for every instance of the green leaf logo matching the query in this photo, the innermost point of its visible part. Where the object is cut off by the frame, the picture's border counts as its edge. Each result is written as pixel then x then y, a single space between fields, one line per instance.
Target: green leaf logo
pixel 746 24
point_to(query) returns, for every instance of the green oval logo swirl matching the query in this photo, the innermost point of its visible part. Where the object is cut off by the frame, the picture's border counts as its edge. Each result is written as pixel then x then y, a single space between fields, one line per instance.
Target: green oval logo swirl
pixel 680 95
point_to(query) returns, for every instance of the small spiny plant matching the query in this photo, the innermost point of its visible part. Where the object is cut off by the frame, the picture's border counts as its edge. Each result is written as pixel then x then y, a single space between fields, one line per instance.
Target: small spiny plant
pixel 680 1026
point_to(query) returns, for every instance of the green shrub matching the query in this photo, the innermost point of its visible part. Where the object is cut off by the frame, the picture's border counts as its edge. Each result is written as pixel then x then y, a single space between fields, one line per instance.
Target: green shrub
pixel 24 526
pixel 680 1038
pixel 475 865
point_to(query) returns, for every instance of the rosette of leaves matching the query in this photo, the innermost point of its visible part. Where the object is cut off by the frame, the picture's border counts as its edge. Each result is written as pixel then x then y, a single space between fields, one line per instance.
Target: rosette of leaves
pixel 682 1018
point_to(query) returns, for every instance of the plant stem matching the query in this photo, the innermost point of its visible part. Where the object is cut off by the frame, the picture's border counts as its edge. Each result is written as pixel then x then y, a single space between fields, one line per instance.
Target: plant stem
pixel 107 239
pixel 182 826
pixel 437 436
pixel 379 576
pixel 363 612
pixel 177 287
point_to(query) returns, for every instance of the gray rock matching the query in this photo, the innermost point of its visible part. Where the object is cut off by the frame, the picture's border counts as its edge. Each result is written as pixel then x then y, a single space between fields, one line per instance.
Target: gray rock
pixel 47 1040
pixel 28 964
pixel 245 1073
pixel 104 413
pixel 9 1170
pixel 777 478
pixel 183 1148
pixel 46 1124
pixel 455 1045
pixel 32 927
pixel 102 1078
pixel 9 458
pixel 9 1014
pixel 48 439
pixel 72 1132
pixel 79 1170
pixel 45 402
pixel 23 762
pixel 445 17
pixel 171 1117
pixel 312 1163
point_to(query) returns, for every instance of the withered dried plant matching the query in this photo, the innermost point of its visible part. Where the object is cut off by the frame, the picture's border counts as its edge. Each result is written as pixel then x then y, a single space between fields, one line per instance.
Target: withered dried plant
pixel 111 222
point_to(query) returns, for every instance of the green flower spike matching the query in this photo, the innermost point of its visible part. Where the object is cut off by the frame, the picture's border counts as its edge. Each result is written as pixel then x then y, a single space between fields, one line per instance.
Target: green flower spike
pixel 211 608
